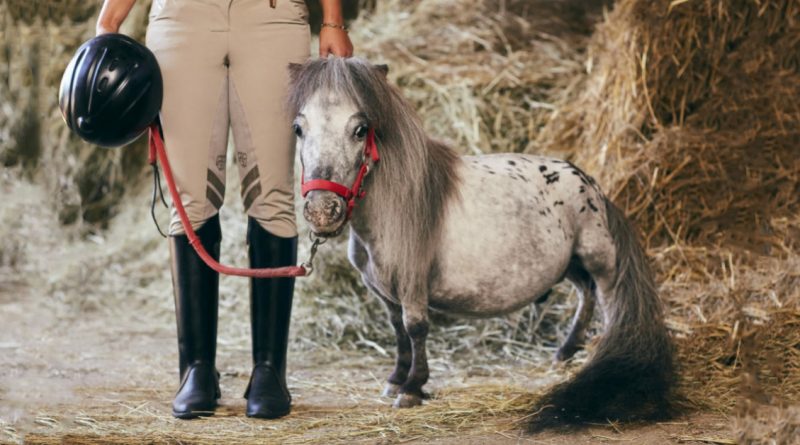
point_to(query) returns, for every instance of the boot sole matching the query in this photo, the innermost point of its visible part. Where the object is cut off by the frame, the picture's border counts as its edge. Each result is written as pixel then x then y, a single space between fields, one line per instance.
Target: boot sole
pixel 268 414
pixel 186 415
pixel 193 414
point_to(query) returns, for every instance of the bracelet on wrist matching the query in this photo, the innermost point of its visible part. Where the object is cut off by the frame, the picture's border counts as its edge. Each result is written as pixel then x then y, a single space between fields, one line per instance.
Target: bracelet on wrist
pixel 334 25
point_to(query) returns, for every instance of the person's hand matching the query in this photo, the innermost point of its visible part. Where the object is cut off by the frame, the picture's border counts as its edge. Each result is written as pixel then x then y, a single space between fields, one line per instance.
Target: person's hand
pixel 334 41
pixel 112 14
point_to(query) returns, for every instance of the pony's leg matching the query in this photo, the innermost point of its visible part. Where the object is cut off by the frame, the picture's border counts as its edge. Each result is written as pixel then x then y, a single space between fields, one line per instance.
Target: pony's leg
pixel 415 320
pixel 585 288
pixel 403 360
pixel 597 255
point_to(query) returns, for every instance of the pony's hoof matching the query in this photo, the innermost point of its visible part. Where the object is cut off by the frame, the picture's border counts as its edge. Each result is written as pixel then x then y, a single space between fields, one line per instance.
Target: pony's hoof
pixel 407 401
pixel 390 390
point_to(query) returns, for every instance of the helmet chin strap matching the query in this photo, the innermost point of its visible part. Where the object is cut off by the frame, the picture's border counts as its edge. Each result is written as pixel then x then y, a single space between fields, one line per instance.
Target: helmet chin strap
pixel 350 194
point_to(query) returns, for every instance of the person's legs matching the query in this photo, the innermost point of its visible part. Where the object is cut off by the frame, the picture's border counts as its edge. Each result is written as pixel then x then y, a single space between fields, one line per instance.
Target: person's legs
pixel 264 41
pixel 190 44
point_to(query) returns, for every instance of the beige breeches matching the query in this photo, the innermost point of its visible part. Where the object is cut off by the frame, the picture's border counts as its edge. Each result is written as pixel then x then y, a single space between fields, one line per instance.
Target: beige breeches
pixel 224 64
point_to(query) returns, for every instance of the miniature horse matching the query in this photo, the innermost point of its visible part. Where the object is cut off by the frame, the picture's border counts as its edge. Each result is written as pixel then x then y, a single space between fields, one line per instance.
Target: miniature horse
pixel 479 236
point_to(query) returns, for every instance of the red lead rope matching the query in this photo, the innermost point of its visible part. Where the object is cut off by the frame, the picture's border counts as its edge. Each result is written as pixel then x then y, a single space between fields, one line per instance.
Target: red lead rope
pixel 157 149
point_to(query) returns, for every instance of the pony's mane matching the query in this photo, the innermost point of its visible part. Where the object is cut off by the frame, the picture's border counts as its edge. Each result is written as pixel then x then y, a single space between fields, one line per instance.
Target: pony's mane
pixel 414 181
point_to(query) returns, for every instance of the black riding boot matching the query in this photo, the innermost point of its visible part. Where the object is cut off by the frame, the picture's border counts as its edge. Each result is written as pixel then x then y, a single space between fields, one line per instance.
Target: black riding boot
pixel 196 297
pixel 270 309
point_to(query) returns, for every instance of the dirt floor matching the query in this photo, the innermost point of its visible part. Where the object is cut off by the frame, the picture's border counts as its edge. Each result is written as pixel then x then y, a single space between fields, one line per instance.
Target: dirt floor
pixel 98 381
pixel 85 358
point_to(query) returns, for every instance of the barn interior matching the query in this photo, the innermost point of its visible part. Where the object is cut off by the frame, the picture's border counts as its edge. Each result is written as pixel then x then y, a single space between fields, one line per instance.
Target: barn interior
pixel 685 111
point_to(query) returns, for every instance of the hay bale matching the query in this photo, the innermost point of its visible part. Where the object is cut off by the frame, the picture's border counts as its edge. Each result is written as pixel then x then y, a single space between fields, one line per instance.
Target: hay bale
pixel 689 117
pixel 484 75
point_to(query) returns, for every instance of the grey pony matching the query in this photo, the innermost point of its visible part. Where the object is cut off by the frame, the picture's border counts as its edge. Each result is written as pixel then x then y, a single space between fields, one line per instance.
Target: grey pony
pixel 480 236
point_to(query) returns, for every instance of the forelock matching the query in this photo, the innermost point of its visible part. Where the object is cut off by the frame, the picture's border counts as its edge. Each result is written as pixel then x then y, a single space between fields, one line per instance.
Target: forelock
pixel 353 78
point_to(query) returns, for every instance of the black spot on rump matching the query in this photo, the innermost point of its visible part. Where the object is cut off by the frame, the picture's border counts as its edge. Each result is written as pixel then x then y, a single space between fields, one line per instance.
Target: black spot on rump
pixel 551 178
pixel 510 162
pixel 558 203
pixel 580 176
pixel 586 179
pixel 542 168
pixel 591 205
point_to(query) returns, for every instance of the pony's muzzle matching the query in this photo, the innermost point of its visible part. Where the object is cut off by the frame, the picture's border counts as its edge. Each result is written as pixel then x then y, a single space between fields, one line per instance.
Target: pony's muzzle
pixel 325 212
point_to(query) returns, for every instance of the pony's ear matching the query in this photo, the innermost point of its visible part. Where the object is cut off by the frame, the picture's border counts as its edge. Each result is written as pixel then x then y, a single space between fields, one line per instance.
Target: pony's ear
pixel 294 71
pixel 383 69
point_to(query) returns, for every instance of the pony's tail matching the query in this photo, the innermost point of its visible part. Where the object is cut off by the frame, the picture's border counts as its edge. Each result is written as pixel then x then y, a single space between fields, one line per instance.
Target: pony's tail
pixel 631 374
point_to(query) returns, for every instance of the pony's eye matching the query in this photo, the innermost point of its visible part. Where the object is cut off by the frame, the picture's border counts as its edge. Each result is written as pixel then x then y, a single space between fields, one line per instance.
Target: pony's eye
pixel 361 131
pixel 297 130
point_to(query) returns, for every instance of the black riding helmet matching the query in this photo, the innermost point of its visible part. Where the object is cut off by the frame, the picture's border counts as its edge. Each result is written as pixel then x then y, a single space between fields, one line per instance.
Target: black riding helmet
pixel 111 90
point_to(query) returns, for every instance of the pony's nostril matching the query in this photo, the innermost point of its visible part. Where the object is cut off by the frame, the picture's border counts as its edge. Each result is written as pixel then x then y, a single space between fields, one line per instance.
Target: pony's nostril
pixel 336 210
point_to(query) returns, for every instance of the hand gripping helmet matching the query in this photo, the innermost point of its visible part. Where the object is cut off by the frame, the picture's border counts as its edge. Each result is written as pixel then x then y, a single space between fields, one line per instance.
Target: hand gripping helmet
pixel 111 90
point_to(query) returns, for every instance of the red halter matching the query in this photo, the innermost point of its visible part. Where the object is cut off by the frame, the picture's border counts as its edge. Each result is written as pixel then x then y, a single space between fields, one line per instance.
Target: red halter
pixel 369 157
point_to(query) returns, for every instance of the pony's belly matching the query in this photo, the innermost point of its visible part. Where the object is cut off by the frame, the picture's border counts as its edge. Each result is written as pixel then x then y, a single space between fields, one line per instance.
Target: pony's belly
pixel 486 302
pixel 486 281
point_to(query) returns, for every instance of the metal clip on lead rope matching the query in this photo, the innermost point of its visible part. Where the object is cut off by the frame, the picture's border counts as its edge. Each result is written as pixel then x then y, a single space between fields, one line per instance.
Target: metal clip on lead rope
pixel 316 241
